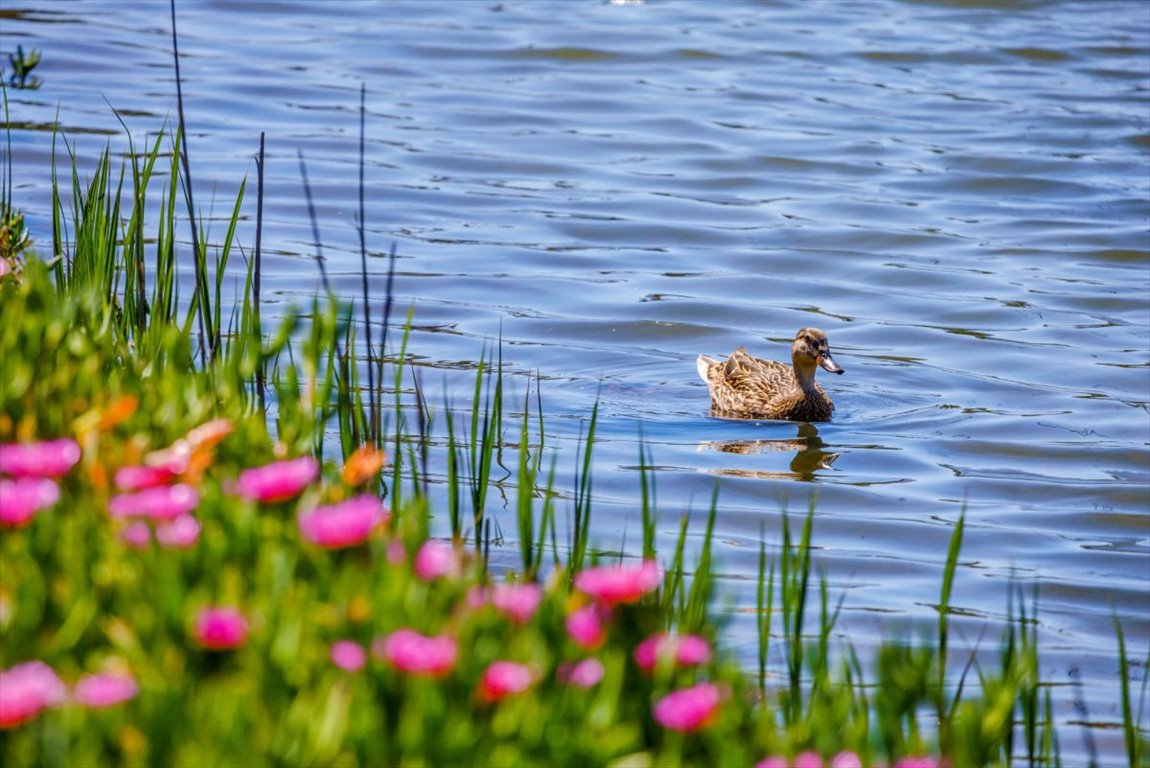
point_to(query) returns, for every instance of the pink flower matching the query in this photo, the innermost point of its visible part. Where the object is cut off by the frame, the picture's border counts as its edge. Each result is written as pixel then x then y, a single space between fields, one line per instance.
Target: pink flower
pixel 22 498
pixel 619 583
pixel 50 458
pixel 688 709
pixel 221 629
pixel 477 597
pixel 139 478
pixel 504 678
pixel 165 502
pixel 278 481
pixel 923 761
pixel 137 534
pixel 416 654
pixel 181 533
pixel 846 759
pixel 437 560
pixel 25 690
pixel 518 601
pixel 684 650
pixel 586 626
pixel 348 655
pixel 344 524
pixel 808 759
pixel 774 761
pixel 396 554
pixel 582 674
pixel 105 690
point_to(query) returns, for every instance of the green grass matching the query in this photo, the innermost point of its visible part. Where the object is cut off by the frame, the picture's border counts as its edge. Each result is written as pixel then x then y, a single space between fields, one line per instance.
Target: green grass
pixel 100 347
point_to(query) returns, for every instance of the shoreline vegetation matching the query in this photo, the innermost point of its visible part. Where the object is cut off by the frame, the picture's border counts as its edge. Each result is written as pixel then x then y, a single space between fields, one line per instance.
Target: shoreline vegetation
pixel 190 578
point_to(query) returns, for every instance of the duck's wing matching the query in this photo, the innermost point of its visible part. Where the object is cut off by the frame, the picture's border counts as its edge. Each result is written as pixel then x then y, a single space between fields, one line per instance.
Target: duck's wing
pixel 743 382
pixel 744 372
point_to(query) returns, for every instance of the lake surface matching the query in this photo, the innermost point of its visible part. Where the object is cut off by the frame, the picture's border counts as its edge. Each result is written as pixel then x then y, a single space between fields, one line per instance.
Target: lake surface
pixel 955 191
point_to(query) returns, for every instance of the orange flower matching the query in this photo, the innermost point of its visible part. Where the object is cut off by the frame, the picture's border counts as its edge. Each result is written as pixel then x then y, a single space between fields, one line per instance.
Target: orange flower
pixel 192 454
pixel 118 411
pixel 209 433
pixel 363 465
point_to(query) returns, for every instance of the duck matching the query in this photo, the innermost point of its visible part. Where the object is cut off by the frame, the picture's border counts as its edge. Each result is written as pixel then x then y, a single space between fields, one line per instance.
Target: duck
pixel 747 387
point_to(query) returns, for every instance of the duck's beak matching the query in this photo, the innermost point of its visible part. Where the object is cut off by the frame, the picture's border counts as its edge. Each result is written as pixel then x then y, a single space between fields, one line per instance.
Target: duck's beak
pixel 828 363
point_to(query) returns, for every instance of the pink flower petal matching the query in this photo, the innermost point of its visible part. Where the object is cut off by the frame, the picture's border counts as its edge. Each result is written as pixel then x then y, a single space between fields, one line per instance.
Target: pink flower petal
pixel 137 534
pixel 105 690
pixel 220 629
pixel 583 674
pixel 139 478
pixel 619 583
pixel 477 597
pixel 688 709
pixel 774 761
pixel 344 524
pixel 518 601
pixel 348 655
pixel 586 626
pixel 49 458
pixel 165 502
pixel 684 650
pixel 408 651
pixel 922 761
pixel 22 498
pixel 504 678
pixel 25 690
pixel 436 560
pixel 808 759
pixel 278 481
pixel 181 533
pixel 846 759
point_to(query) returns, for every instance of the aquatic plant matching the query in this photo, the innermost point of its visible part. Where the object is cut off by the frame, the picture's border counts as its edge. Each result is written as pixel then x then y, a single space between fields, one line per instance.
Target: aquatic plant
pixel 22 65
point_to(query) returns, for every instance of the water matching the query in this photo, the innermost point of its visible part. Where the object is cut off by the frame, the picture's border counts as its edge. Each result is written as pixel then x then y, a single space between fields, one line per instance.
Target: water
pixel 955 191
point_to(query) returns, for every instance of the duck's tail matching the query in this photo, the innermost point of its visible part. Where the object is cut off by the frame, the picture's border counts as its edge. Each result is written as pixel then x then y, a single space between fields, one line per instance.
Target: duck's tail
pixel 703 365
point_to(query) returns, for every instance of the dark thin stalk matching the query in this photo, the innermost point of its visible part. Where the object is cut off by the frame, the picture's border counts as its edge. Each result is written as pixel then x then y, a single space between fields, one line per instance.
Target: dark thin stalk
pixel 200 298
pixel 319 259
pixel 258 330
pixel 1084 716
pixel 374 418
pixel 387 302
pixel 423 422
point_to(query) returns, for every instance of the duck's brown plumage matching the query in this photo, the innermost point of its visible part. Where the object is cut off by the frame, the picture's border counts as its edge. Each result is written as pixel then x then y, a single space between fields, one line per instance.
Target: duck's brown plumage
pixel 747 387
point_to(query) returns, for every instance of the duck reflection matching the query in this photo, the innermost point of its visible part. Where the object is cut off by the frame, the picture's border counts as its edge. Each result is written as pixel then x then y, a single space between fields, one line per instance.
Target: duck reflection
pixel 809 448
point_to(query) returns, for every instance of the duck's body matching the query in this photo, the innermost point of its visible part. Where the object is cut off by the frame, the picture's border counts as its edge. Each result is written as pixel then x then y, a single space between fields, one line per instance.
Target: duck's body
pixel 746 387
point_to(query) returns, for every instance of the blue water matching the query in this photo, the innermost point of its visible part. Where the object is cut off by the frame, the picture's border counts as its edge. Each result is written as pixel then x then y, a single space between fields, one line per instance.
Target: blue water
pixel 956 192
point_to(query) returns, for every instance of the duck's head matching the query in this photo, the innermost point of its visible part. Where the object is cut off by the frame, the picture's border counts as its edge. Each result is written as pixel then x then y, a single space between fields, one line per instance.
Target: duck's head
pixel 811 349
